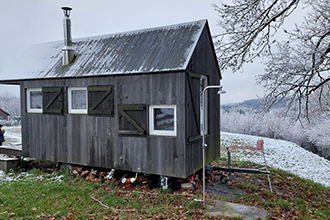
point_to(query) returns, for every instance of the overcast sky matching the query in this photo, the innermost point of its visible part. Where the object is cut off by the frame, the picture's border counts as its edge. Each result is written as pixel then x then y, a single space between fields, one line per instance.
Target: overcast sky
pixel 23 23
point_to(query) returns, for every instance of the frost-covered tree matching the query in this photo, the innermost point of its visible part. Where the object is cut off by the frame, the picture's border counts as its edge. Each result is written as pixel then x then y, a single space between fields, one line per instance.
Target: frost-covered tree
pixel 296 67
pixel 312 136
pixel 318 137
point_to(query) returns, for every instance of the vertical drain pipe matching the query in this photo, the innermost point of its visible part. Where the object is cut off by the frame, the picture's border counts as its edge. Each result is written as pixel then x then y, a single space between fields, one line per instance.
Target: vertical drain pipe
pixel 204 145
pixel 68 53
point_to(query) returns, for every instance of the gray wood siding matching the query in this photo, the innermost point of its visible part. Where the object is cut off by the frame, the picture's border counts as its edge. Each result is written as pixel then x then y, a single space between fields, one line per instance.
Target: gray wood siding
pixel 204 62
pixel 154 154
pixel 94 140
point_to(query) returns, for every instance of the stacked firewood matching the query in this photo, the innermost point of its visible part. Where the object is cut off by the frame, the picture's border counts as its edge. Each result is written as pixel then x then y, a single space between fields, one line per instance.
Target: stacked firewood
pixel 134 180
pixel 88 175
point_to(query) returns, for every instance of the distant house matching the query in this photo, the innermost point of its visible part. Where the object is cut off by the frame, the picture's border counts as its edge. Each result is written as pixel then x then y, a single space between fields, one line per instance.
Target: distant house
pixel 4 115
pixel 129 101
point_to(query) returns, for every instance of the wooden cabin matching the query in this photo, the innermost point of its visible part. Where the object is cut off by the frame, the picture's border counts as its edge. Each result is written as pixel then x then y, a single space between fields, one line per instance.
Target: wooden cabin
pixel 4 115
pixel 129 101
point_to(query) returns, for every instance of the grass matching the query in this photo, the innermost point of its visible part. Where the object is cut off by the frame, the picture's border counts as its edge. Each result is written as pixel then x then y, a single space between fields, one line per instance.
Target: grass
pixel 36 194
pixel 30 198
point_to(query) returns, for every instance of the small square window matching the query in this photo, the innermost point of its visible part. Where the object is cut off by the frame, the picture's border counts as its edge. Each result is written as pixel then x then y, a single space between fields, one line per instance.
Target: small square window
pixel 77 100
pixel 162 120
pixel 34 100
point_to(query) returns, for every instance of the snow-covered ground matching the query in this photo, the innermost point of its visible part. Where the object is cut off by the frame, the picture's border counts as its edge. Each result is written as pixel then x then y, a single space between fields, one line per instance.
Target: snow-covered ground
pixel 13 136
pixel 279 154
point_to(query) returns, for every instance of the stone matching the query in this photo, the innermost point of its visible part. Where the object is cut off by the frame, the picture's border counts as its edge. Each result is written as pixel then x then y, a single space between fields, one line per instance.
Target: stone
pixel 188 186
pixel 234 210
pixel 7 163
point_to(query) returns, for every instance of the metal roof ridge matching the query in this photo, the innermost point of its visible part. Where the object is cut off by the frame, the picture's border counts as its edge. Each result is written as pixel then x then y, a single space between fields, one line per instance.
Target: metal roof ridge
pixel 201 21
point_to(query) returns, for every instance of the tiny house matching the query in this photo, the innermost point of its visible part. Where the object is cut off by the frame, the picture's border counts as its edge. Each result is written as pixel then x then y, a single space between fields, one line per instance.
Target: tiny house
pixel 4 115
pixel 129 101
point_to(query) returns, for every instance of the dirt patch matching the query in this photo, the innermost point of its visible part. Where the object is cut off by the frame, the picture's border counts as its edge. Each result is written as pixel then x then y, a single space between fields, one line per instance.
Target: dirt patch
pixel 222 184
pixel 222 190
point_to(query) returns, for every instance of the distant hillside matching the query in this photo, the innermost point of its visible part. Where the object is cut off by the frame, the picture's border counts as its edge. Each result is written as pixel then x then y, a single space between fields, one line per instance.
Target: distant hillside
pixel 250 104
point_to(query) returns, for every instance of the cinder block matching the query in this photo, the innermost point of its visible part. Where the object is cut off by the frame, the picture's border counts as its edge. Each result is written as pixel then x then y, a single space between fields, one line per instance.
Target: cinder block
pixel 9 163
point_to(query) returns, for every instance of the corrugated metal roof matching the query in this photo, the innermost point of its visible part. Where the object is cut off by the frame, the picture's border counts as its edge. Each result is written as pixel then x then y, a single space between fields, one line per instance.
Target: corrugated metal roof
pixel 149 50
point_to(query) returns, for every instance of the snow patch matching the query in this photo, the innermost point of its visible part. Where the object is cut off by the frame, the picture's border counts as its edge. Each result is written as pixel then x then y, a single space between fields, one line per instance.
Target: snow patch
pixel 24 176
pixel 279 154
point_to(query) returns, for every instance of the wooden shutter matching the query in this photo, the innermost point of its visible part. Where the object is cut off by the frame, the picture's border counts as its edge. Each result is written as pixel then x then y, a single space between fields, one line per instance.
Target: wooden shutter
pixel 132 119
pixel 52 100
pixel 193 109
pixel 100 100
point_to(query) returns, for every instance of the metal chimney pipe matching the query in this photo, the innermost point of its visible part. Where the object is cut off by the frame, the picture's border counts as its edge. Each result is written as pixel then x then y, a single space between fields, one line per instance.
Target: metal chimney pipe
pixel 68 53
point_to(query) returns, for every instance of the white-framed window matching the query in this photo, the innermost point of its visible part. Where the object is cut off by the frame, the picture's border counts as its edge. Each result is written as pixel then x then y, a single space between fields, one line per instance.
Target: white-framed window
pixel 77 100
pixel 203 84
pixel 34 100
pixel 162 120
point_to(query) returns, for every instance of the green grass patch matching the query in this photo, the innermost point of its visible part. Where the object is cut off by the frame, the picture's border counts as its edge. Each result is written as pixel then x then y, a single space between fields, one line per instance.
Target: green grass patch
pixel 39 195
pixel 36 194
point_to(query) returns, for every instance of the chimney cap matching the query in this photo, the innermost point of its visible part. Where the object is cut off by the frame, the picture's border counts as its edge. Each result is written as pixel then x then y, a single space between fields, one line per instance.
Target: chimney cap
pixel 66 11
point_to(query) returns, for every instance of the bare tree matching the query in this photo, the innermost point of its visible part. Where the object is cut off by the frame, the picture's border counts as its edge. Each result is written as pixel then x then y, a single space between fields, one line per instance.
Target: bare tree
pixel 248 29
pixel 297 69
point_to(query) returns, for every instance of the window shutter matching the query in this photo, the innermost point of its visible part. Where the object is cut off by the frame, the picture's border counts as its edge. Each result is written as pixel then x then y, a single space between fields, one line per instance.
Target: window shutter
pixel 100 100
pixel 193 111
pixel 132 119
pixel 52 100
